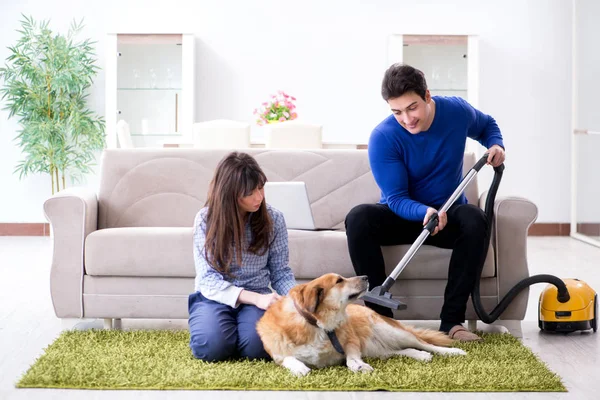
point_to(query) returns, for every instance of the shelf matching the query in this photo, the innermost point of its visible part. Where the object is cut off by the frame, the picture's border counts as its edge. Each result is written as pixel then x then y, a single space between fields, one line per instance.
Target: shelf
pixel 150 85
pixel 146 89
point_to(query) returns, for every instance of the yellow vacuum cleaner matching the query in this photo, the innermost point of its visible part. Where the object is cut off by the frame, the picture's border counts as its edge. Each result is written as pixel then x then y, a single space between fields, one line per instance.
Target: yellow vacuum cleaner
pixel 565 306
pixel 580 313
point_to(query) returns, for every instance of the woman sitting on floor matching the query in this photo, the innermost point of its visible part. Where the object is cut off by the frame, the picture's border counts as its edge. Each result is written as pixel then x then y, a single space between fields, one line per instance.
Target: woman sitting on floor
pixel 240 247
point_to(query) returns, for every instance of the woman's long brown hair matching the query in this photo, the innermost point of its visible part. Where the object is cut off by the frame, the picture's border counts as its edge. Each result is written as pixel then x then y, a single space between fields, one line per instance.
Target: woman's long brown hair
pixel 236 176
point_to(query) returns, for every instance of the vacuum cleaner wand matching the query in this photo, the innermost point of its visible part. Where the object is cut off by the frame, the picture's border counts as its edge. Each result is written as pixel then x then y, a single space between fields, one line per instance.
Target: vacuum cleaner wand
pixel 380 294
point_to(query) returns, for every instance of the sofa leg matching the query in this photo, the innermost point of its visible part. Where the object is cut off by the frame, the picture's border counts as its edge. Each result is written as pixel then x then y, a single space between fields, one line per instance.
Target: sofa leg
pixel 108 323
pixel 117 324
pixel 68 324
pixel 472 325
pixel 82 324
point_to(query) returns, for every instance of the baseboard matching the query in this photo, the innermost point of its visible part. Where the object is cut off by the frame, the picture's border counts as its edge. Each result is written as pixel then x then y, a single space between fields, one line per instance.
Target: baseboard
pixel 563 229
pixel 549 229
pixel 539 229
pixel 24 229
pixel 589 229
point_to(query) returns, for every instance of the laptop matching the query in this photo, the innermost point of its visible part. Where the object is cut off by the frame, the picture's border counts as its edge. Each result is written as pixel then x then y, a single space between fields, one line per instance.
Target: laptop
pixel 291 198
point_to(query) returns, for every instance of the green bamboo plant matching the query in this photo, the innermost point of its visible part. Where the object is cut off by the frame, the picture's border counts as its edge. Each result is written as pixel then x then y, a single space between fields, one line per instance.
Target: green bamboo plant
pixel 46 79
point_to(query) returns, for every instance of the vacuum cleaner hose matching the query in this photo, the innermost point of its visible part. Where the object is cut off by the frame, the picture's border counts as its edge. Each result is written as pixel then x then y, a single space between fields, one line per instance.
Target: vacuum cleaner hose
pixel 563 293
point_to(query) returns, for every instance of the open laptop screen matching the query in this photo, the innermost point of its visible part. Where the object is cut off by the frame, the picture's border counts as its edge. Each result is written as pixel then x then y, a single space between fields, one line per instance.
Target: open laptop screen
pixel 291 198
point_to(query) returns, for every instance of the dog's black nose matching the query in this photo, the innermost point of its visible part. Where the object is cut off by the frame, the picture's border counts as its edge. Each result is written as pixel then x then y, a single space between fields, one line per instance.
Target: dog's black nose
pixel 364 277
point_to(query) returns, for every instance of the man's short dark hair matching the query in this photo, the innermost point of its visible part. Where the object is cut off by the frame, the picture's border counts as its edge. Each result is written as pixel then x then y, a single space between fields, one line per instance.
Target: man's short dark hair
pixel 400 79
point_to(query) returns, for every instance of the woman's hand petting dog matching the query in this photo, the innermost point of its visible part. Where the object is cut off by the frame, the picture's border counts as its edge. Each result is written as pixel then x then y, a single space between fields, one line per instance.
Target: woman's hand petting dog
pixel 265 300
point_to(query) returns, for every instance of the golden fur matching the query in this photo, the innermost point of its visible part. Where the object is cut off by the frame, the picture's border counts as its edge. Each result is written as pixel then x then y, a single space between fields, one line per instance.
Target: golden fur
pixel 293 342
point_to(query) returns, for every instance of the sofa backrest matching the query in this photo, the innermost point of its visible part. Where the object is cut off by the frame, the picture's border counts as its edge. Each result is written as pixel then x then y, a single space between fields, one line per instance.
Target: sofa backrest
pixel 167 187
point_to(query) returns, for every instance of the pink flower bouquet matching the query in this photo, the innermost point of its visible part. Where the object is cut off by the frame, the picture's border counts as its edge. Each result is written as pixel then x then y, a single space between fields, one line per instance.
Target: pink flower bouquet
pixel 280 108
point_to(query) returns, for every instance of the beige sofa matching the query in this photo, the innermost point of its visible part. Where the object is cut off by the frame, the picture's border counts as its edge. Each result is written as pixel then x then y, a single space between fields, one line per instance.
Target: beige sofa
pixel 126 251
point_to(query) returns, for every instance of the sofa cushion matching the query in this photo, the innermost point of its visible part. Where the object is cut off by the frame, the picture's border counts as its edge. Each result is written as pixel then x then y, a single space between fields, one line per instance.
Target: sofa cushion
pixel 159 252
pixel 315 253
pixel 167 252
pixel 429 262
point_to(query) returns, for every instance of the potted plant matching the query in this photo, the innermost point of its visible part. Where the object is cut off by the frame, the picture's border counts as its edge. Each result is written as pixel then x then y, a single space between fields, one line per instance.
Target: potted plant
pixel 46 79
pixel 279 108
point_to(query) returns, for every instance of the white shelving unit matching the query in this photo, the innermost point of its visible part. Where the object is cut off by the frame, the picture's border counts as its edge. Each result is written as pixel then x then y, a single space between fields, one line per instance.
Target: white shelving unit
pixel 450 63
pixel 150 84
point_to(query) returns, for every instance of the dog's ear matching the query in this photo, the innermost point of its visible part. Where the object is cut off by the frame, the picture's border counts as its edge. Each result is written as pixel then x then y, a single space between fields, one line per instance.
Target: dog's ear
pixel 312 298
pixel 297 293
pixel 307 296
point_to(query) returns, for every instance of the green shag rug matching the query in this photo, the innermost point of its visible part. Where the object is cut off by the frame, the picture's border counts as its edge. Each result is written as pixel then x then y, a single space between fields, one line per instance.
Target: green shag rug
pixel 99 359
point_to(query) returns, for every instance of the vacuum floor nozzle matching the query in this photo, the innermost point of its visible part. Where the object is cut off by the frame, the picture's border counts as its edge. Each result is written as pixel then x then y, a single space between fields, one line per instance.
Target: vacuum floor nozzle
pixel 383 298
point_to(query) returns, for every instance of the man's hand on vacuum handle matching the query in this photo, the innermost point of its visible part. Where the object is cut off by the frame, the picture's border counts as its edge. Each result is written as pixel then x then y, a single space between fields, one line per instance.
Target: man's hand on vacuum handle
pixel 442 219
pixel 496 155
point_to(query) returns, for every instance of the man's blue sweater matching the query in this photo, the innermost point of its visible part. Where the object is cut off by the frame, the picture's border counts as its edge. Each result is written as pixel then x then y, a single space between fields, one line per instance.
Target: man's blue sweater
pixel 417 171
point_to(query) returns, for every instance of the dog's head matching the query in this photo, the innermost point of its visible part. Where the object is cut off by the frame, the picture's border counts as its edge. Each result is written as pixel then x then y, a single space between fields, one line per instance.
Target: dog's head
pixel 326 297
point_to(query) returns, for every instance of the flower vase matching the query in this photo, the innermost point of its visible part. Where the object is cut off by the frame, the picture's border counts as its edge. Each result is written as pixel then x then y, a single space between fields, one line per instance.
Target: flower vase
pixel 268 132
pixel 275 136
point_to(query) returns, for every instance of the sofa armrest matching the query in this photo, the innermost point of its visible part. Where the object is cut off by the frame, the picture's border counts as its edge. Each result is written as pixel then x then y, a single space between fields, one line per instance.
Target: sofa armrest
pixel 512 218
pixel 73 214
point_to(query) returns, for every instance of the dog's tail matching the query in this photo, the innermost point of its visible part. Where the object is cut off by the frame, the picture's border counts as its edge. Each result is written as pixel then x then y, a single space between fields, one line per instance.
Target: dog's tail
pixel 431 336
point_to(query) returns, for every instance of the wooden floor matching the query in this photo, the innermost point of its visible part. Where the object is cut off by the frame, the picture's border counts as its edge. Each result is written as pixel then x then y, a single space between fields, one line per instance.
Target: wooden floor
pixel 28 325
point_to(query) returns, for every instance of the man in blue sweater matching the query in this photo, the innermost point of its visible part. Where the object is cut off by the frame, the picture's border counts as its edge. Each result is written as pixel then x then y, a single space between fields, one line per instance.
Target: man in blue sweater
pixel 416 156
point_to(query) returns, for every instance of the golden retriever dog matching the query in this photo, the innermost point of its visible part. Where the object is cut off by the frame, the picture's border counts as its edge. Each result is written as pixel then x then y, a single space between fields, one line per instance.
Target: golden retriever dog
pixel 305 327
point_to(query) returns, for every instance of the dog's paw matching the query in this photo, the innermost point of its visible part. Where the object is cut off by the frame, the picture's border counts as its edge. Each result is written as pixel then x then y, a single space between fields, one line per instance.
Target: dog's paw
pixel 456 352
pixel 359 366
pixel 424 356
pixel 300 370
pixel 418 355
pixel 295 366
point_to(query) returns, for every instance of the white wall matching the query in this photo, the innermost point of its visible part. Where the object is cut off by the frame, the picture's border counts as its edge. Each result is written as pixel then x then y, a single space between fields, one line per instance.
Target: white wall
pixel 331 55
